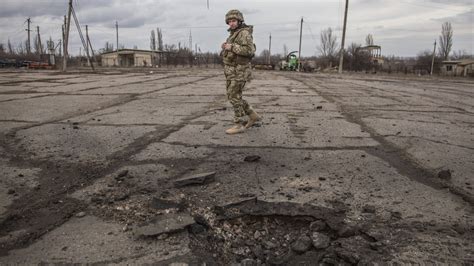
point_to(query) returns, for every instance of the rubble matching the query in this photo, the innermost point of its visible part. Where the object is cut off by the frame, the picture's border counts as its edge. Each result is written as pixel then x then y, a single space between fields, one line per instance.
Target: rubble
pixel 168 223
pixel 320 240
pixel 302 244
pixel 199 179
pixel 161 204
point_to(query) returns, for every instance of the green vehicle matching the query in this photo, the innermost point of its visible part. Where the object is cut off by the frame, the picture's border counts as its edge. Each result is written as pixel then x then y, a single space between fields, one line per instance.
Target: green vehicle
pixel 291 62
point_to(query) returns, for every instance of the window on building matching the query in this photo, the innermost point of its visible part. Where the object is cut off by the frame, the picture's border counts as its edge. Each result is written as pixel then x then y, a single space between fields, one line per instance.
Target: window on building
pixel 449 68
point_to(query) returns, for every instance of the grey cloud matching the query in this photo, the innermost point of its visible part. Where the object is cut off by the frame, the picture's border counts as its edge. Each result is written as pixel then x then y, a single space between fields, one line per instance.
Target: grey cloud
pixel 462 18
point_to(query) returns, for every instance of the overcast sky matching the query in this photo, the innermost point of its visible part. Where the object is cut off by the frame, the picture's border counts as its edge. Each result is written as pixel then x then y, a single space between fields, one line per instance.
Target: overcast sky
pixel 401 27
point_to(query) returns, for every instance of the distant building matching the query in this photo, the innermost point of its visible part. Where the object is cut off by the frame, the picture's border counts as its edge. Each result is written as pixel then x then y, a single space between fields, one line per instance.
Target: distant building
pixel 375 52
pixel 131 58
pixel 458 68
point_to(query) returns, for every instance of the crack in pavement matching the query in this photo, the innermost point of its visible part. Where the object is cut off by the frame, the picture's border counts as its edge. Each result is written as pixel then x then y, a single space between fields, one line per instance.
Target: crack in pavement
pixel 49 205
pixel 113 103
pixel 397 157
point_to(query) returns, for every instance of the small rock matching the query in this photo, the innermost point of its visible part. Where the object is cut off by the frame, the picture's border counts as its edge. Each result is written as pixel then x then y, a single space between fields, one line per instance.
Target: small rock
pixel 444 174
pixel 121 197
pixel 252 158
pixel 201 220
pixel 368 209
pixel 122 173
pixel 197 229
pixel 257 235
pixel 320 240
pixel 80 214
pixel 302 244
pixel 11 191
pixel 270 245
pixel 317 225
pixel 321 178
pixel 348 231
pixel 162 237
pixel 249 262
pixel 376 245
pixel 319 107
pixel 64 248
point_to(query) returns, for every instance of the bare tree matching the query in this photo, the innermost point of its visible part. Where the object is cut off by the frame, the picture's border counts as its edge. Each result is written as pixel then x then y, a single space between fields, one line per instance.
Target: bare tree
pixel 11 50
pixel 152 40
pixel 369 40
pixel 265 54
pixel 160 39
pixel 2 48
pixel 21 50
pixel 461 54
pixel 285 50
pixel 328 47
pixel 445 40
pixel 353 49
pixel 109 47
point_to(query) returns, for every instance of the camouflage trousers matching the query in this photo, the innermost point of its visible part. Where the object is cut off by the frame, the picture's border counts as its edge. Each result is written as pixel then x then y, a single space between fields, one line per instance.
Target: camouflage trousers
pixel 234 95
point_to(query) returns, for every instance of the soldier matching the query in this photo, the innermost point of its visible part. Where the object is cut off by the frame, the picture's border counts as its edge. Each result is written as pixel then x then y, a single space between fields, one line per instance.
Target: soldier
pixel 237 52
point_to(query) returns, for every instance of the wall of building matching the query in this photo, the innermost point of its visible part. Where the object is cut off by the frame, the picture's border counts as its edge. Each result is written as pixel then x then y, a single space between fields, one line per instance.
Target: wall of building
pixel 139 59
pixel 109 60
pixel 142 59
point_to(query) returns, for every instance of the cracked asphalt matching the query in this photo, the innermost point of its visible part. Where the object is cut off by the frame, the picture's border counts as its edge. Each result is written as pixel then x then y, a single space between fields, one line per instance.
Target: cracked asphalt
pixel 83 156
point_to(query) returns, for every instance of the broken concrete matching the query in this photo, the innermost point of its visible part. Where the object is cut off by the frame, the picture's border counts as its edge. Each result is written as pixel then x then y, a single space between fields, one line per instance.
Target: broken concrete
pixel 198 179
pixel 169 223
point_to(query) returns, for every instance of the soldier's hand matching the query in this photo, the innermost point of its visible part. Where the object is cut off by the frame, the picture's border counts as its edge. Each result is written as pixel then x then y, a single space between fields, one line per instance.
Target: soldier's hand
pixel 223 45
pixel 228 46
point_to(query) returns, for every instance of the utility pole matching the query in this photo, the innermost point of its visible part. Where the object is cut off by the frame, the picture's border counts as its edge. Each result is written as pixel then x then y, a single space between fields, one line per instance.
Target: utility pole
pixel 40 45
pixel 299 50
pixel 341 55
pixel 63 43
pixel 66 35
pixel 28 48
pixel 432 60
pixel 270 49
pixel 87 46
pixel 116 32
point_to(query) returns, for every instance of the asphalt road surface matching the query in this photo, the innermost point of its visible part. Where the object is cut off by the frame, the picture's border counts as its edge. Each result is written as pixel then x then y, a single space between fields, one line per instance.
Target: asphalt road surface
pixel 135 167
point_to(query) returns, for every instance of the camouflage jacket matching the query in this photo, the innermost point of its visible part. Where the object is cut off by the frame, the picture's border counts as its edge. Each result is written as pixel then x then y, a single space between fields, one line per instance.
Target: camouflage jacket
pixel 237 60
pixel 243 48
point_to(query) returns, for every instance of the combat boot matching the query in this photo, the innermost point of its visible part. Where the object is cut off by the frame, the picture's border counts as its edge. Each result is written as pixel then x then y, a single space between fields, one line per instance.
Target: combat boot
pixel 236 129
pixel 253 118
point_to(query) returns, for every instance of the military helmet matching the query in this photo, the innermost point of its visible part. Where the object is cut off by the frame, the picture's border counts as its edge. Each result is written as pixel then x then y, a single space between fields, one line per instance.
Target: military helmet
pixel 234 14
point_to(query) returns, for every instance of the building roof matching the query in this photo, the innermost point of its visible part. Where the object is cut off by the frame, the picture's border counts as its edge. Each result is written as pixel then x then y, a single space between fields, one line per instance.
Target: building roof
pixel 131 51
pixel 371 47
pixel 462 62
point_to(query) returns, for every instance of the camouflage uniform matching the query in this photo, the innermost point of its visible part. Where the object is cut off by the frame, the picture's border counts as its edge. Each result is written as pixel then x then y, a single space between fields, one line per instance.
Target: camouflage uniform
pixel 237 68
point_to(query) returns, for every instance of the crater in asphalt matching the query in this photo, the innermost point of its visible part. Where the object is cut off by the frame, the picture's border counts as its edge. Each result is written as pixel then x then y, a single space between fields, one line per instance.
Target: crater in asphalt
pixel 253 232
